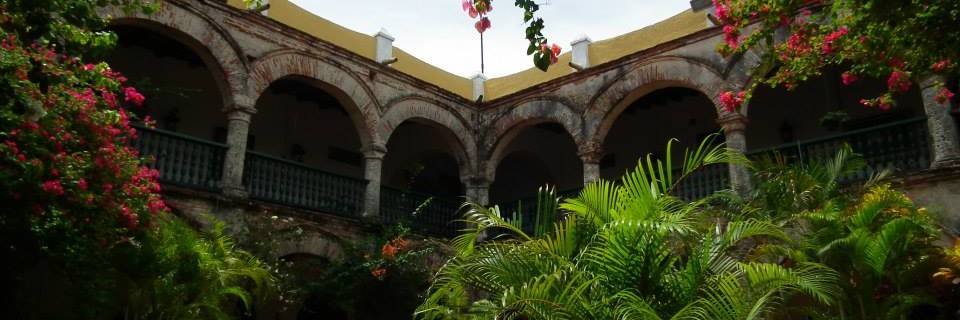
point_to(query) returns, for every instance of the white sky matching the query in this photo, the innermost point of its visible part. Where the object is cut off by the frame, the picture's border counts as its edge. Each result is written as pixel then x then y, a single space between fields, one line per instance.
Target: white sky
pixel 440 33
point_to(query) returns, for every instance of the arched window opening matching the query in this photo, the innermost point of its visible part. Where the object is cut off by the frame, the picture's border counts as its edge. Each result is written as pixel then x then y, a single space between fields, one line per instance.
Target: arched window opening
pixel 648 124
pixel 816 118
pixel 540 154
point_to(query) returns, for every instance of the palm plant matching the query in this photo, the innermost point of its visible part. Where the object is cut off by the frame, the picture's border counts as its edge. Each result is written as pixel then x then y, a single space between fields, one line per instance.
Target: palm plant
pixel 197 275
pixel 876 239
pixel 621 251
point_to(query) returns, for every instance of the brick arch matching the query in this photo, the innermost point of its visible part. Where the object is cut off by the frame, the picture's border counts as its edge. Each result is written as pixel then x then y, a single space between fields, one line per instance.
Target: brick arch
pixel 220 52
pixel 357 99
pixel 419 108
pixel 524 115
pixel 314 244
pixel 607 105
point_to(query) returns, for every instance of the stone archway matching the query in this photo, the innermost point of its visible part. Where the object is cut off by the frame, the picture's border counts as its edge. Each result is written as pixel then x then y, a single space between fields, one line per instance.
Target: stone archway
pixel 422 109
pixel 605 107
pixel 200 33
pixel 358 100
pixel 524 115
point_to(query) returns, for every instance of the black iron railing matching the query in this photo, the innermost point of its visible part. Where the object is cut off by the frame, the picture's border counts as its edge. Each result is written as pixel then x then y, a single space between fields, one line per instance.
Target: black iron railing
pixel 901 145
pixel 285 182
pixel 703 182
pixel 181 159
pixel 524 210
pixel 437 217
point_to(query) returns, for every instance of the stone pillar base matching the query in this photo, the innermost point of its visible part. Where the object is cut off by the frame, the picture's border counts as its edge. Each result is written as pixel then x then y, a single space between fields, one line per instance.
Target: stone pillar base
pixel 236 192
pixel 945 163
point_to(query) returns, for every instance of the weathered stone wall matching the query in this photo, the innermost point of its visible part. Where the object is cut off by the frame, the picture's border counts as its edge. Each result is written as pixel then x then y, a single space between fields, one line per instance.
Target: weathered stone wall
pixel 275 231
pixel 939 191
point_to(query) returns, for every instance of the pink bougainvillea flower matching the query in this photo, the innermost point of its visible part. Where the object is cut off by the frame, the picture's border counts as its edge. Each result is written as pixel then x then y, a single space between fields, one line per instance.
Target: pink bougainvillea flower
pixel 830 38
pixel 848 78
pixel 731 36
pixel 552 51
pixel 472 12
pixel 731 100
pixel 132 96
pixel 721 10
pixel 482 25
pixel 940 65
pixel 898 81
pixel 467 4
pixel 52 186
pixel 944 95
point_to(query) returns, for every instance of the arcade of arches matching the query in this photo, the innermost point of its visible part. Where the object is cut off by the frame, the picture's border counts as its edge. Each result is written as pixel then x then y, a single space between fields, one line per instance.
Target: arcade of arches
pixel 284 122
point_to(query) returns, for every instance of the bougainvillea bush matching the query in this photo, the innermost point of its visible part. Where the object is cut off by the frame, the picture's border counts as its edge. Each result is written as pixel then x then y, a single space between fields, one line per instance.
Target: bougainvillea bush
pixel 901 41
pixel 77 202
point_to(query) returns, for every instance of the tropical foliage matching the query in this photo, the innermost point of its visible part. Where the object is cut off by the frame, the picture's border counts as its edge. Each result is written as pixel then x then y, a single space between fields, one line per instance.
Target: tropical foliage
pixel 876 238
pixel 802 245
pixel 381 277
pixel 194 275
pixel 621 251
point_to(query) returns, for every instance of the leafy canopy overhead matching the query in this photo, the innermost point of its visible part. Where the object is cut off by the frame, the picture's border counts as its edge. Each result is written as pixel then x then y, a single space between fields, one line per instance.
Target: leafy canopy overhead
pixel 901 41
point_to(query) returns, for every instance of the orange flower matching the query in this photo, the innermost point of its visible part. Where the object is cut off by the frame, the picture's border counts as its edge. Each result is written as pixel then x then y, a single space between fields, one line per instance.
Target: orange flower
pixel 389 251
pixel 400 243
pixel 378 273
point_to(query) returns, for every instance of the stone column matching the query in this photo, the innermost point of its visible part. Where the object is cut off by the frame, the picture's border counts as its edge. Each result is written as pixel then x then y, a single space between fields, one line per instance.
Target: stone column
pixel 238 126
pixel 373 165
pixel 478 190
pixel 734 128
pixel 941 126
pixel 590 154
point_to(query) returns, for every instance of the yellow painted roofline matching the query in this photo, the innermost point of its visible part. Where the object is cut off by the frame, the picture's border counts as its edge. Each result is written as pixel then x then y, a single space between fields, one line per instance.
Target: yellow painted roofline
pixel 682 24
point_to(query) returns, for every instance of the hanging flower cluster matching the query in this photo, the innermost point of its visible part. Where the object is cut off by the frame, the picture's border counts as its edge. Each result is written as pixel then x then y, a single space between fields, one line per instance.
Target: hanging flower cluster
pixel 478 9
pixel 553 51
pixel 802 37
pixel 731 101
pixel 544 55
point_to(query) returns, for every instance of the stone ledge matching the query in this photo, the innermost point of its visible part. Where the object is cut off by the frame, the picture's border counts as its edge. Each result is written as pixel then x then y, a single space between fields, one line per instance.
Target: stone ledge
pixel 256 206
pixel 929 176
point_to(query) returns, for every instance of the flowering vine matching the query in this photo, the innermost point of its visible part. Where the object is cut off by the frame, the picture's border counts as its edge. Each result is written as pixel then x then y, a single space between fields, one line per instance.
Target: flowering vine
pixel 543 54
pixel 901 41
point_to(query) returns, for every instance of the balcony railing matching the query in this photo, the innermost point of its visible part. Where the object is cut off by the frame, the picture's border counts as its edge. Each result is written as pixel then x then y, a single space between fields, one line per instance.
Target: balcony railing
pixel 525 209
pixel 901 145
pixel 703 182
pixel 181 159
pixel 438 217
pixel 285 182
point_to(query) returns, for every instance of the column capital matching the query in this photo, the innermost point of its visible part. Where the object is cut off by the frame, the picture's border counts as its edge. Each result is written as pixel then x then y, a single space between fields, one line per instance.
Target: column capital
pixel 932 81
pixel 375 151
pixel 240 113
pixel 733 122
pixel 591 152
pixel 241 104
pixel 475 181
